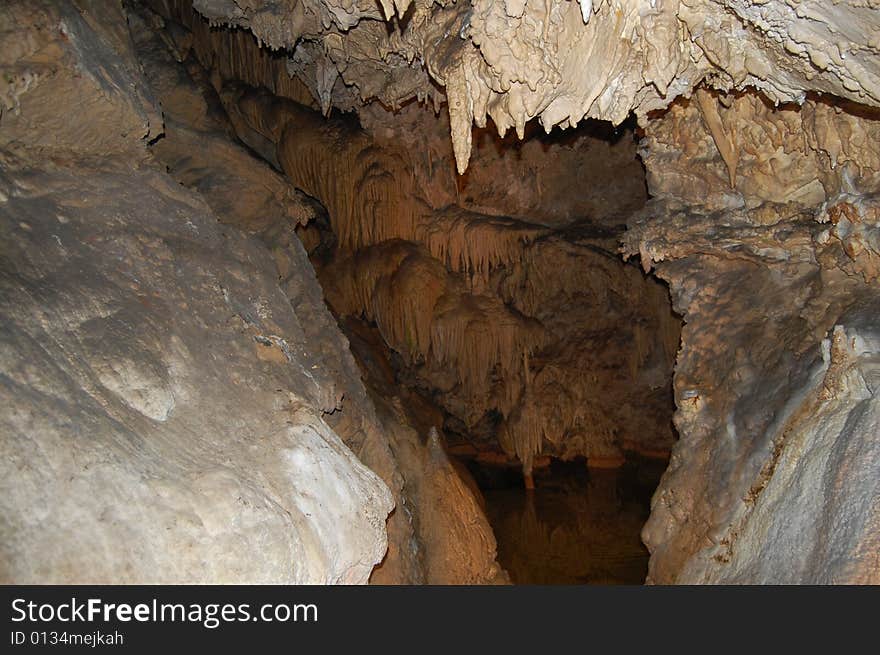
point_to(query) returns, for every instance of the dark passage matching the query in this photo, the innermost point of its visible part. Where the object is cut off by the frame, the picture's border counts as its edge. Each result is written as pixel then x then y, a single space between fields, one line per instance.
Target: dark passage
pixel 578 526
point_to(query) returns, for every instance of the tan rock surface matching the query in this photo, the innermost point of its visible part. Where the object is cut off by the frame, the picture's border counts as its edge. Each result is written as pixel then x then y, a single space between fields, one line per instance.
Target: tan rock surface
pixel 164 408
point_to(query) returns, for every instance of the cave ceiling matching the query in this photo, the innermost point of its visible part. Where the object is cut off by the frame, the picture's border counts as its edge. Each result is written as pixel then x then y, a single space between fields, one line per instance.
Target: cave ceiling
pixel 559 60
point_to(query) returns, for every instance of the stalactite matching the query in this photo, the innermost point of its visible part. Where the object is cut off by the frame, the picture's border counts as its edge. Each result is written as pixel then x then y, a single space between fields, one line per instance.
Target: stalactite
pixel 596 315
pixel 404 304
pixel 470 301
pixel 234 54
pixel 478 336
pixel 429 316
pixel 473 243
pixel 370 192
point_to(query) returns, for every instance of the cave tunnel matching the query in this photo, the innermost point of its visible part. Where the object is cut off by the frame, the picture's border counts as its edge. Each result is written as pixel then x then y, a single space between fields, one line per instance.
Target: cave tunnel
pixel 492 308
pixel 443 316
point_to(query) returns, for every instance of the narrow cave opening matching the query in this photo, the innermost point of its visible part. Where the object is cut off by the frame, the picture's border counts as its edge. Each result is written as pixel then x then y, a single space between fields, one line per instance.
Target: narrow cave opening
pixel 565 470
pixel 500 335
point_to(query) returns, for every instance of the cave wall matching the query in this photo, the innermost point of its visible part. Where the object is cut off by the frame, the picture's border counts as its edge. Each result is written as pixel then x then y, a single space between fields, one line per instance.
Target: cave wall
pixel 760 149
pixel 773 265
pixel 597 159
pixel 760 145
pixel 728 151
pixel 165 406
pixel 437 519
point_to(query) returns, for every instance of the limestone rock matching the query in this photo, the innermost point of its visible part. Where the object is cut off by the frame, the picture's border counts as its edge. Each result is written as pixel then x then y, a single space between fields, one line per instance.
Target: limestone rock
pixel 145 438
pixel 776 409
pixel 244 192
pixel 514 61
pixel 163 413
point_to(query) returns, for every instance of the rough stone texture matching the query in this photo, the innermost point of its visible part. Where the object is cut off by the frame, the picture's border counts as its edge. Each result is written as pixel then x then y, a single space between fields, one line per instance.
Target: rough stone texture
pixel 245 192
pixel 817 517
pixel 498 318
pixel 163 402
pixel 513 60
pixel 739 151
pixel 763 222
pixel 774 477
pixel 162 421
pixel 83 56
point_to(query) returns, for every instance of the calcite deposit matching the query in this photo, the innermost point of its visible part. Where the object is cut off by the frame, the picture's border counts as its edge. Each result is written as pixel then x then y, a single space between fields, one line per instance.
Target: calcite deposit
pixel 267 263
pixel 512 61
pixel 774 478
pixel 139 444
pixel 760 148
pixel 163 409
pixel 179 405
pixel 481 309
pixel 246 193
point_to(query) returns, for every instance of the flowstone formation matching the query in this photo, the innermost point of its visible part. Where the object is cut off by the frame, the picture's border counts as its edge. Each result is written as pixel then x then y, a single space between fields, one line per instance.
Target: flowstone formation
pixel 178 404
pixel 559 60
pixel 198 150
pixel 775 476
pixel 528 331
pixel 164 410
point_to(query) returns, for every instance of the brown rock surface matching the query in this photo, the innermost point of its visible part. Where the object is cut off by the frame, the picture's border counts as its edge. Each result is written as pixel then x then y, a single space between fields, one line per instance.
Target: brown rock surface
pixel 774 477
pixel 154 355
pixel 561 61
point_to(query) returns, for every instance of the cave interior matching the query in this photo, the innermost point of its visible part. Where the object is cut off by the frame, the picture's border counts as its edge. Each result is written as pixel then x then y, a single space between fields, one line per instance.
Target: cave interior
pixel 336 296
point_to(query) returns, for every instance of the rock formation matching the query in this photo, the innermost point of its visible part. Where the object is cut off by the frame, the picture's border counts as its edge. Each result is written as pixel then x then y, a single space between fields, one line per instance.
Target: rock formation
pixel 560 61
pixel 774 477
pixel 175 388
pixel 164 408
pixel 185 183
pixel 475 304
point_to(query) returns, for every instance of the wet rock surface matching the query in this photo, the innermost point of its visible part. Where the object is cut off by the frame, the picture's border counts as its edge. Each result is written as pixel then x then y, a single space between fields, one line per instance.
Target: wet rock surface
pixel 577 526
